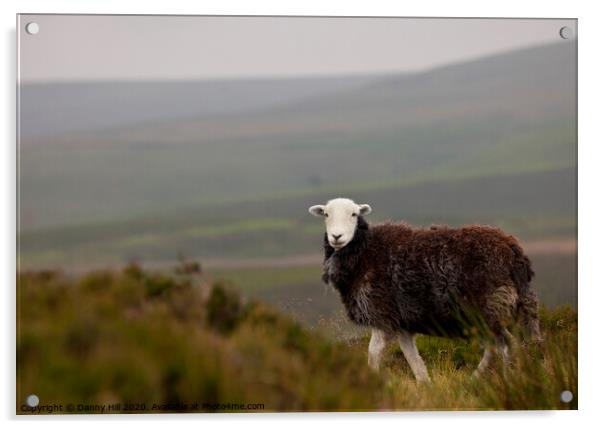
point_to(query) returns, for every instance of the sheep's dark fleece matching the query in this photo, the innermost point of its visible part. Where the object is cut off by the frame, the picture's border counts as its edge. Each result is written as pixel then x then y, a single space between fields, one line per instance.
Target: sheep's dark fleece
pixel 394 277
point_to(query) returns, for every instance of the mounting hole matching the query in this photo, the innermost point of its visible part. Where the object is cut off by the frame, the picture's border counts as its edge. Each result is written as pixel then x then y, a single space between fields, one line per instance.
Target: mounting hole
pixel 32 28
pixel 566 32
pixel 566 396
pixel 32 400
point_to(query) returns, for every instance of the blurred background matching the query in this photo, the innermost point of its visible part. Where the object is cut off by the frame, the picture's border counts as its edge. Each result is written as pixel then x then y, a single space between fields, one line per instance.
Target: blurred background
pixel 150 139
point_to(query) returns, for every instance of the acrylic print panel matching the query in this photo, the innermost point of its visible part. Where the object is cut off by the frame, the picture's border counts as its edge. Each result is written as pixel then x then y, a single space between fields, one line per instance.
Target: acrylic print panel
pixel 169 168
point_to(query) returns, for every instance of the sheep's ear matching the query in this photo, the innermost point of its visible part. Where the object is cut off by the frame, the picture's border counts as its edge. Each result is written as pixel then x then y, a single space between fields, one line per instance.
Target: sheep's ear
pixel 365 209
pixel 317 210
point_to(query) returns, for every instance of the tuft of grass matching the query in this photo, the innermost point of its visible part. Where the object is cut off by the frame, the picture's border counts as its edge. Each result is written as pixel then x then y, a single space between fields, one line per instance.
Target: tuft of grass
pixel 140 337
pixel 224 309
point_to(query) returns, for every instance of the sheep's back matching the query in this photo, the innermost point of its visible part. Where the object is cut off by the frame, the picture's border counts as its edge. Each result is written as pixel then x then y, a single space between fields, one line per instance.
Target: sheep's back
pixel 428 273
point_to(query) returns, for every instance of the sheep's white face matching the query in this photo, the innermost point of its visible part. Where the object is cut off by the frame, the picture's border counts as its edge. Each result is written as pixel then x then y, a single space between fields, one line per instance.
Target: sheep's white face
pixel 340 216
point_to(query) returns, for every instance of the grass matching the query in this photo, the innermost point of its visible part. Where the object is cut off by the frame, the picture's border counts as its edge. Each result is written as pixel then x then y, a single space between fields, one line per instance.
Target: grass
pixel 535 380
pixel 155 340
pixel 258 279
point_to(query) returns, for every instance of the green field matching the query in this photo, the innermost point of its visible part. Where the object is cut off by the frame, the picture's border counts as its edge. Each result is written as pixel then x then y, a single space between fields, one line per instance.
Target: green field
pixel 532 206
pixel 158 341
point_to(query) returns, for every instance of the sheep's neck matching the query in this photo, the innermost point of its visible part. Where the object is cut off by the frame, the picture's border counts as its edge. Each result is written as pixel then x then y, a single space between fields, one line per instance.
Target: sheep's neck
pixel 341 266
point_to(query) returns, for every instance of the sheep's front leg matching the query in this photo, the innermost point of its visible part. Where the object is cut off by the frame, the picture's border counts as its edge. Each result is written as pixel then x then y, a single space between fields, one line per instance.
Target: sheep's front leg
pixel 377 345
pixel 407 342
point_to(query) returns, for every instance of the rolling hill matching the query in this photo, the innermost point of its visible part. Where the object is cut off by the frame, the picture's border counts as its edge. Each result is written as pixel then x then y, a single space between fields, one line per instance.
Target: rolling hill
pixel 491 140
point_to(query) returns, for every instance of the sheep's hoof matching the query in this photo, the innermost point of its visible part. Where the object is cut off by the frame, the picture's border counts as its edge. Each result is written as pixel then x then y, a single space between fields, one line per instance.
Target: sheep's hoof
pixel 373 365
pixel 477 374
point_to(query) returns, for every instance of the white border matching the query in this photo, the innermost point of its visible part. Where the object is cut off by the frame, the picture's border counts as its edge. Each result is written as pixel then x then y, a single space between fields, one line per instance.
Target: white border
pixel 590 161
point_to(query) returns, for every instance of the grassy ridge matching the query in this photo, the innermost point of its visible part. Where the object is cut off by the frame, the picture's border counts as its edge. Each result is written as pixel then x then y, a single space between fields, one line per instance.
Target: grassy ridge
pixel 532 206
pixel 144 338
pixel 156 339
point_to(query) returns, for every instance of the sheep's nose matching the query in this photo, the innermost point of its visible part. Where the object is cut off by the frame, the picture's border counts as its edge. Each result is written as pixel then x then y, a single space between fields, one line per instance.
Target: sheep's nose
pixel 336 237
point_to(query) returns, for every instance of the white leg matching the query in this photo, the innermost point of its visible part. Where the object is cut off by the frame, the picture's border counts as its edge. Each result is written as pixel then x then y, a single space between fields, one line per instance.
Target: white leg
pixel 501 348
pixel 378 342
pixel 407 343
pixel 508 343
pixel 503 351
pixel 485 362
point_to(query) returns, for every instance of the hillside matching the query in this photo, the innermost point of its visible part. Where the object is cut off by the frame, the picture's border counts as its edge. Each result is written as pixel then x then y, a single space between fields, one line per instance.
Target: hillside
pixel 57 108
pixel 162 342
pixel 505 115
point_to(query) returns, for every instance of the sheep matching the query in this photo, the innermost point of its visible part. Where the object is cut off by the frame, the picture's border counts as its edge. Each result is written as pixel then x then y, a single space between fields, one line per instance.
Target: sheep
pixel 401 281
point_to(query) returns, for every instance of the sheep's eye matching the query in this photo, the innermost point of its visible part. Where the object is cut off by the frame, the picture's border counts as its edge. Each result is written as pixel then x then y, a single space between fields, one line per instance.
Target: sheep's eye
pixel 326 214
pixel 354 215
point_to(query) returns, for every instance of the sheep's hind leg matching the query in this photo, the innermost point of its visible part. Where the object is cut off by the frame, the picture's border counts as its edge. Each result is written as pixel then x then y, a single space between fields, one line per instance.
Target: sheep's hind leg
pixel 407 342
pixel 484 363
pixel 501 348
pixel 377 345
pixel 500 308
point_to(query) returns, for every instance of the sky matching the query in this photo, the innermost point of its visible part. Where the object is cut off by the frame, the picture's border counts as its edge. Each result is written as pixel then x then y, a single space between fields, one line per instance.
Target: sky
pixel 127 48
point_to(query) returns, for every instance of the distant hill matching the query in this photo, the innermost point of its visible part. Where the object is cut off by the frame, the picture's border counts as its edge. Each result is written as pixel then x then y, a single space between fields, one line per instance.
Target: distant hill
pixel 491 140
pixel 56 108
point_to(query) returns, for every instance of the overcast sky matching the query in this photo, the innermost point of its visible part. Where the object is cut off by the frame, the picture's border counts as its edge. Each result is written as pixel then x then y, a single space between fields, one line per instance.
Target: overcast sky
pixel 154 47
